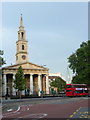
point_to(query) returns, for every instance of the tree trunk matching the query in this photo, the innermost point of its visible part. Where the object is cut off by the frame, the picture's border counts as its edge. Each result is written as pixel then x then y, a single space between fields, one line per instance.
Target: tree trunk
pixel 20 93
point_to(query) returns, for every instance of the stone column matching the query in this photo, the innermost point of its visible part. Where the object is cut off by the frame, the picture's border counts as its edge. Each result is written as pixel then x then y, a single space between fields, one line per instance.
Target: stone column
pixel 31 84
pixel 13 89
pixel 23 91
pixel 47 85
pixel 4 84
pixel 39 84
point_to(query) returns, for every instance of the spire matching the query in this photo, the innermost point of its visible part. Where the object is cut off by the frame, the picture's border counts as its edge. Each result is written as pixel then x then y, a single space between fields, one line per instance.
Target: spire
pixel 21 21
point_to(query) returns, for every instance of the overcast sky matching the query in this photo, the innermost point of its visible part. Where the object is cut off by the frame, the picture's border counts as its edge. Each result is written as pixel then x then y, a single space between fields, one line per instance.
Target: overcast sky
pixel 54 31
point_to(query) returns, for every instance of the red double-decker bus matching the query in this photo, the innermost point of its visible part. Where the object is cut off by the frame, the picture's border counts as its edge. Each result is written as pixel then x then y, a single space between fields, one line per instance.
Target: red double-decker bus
pixel 76 90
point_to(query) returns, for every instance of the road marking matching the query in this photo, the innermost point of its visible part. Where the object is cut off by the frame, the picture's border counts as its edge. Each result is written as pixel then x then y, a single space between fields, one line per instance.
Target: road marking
pixel 74 113
pixel 83 114
pixel 77 110
pixel 27 108
pixel 11 114
pixel 35 116
pixel 71 116
pixel 17 111
pixel 9 110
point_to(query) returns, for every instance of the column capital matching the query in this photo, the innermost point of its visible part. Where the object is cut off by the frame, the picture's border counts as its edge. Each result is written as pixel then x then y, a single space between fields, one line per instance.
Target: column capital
pixel 13 76
pixel 46 75
pixel 31 74
pixel 4 73
pixel 39 74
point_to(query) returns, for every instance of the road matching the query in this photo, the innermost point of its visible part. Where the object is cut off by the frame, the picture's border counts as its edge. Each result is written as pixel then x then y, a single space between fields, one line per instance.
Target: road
pixel 34 109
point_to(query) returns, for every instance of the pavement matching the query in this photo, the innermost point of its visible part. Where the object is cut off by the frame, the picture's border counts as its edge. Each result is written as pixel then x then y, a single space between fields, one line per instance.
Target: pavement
pixel 27 99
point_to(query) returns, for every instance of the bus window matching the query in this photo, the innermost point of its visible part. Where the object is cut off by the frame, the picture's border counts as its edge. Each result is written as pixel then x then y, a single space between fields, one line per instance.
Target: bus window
pixel 68 86
pixel 86 91
pixel 68 90
pixel 78 91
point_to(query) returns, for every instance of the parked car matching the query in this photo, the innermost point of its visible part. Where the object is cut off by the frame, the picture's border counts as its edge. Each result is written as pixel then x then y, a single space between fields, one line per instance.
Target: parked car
pixel 62 93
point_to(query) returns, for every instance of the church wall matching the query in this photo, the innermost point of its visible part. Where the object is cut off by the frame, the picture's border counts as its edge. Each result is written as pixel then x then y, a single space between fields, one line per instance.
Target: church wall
pixel 35 84
pixel 44 83
pixel 27 77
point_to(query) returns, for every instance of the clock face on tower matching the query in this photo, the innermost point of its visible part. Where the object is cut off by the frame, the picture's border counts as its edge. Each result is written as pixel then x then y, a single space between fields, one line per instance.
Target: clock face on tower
pixel 23 57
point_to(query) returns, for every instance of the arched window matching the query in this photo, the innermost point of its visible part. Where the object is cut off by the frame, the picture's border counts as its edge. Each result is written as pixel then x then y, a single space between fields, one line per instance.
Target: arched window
pixel 16 57
pixel 22 47
pixel 22 34
pixel 17 47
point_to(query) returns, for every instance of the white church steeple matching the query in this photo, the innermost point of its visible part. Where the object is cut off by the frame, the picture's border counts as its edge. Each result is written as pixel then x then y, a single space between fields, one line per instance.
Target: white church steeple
pixel 21 45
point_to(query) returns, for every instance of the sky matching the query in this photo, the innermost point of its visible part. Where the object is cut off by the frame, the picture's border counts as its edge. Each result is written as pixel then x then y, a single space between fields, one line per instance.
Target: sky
pixel 88 21
pixel 54 31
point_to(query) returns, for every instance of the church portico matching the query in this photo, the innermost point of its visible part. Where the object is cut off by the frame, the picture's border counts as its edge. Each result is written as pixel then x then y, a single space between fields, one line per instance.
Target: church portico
pixel 34 82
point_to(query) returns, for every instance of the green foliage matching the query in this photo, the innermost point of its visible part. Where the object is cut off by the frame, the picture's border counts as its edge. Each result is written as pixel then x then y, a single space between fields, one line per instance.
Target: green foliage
pixel 2 62
pixel 79 62
pixel 59 83
pixel 20 81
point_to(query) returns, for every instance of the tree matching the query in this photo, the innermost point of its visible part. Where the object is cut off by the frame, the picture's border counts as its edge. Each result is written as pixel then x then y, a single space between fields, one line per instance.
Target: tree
pixel 59 83
pixel 79 62
pixel 20 81
pixel 2 61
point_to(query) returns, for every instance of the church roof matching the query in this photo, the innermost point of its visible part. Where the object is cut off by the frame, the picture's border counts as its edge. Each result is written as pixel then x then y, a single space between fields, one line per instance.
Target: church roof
pixel 26 65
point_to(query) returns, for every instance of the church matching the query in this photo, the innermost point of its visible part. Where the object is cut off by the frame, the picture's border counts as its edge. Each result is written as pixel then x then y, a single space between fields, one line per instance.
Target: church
pixel 36 76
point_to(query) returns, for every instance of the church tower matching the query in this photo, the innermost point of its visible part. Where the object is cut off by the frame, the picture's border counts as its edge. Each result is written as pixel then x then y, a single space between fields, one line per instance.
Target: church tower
pixel 21 45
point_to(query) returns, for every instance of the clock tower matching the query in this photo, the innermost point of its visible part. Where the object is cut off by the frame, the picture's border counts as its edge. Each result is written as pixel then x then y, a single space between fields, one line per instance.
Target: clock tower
pixel 21 45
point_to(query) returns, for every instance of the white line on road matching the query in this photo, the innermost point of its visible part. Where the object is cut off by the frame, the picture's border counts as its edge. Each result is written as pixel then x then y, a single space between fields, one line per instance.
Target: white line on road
pixel 12 112
pixel 27 108
pixel 17 111
pixel 9 110
pixel 36 116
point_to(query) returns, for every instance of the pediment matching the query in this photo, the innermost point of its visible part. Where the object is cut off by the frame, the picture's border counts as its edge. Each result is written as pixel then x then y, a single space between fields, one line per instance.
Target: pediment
pixel 27 65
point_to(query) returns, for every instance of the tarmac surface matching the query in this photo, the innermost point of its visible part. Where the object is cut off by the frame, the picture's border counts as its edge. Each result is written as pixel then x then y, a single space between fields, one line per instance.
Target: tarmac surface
pixel 42 108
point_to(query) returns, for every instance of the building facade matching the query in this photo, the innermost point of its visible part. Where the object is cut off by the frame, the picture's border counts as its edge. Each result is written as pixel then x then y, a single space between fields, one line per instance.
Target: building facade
pixel 36 75
pixel 52 77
